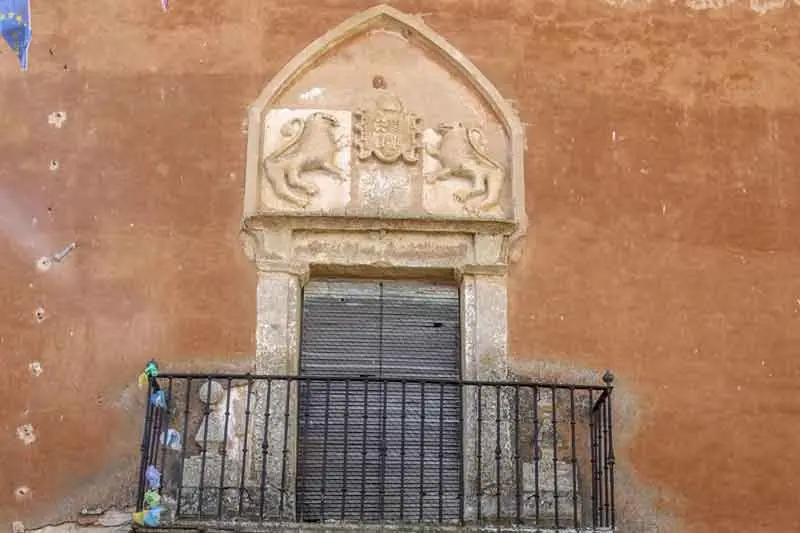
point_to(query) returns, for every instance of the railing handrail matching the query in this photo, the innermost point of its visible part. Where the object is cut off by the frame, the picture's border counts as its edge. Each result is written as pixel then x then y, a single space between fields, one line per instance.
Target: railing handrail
pixel 604 394
pixel 604 389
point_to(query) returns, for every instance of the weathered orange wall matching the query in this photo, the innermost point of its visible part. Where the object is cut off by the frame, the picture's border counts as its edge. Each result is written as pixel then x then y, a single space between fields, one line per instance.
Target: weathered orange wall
pixel 663 192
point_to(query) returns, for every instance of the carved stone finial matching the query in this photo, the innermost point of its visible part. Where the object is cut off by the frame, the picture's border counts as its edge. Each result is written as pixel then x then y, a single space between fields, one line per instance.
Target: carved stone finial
pixel 608 378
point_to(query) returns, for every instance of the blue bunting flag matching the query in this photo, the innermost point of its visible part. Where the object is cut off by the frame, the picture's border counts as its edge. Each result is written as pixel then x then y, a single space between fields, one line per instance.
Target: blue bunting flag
pixel 15 26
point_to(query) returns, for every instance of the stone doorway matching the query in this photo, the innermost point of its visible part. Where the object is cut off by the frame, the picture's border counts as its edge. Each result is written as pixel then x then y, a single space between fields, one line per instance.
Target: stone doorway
pixel 382 449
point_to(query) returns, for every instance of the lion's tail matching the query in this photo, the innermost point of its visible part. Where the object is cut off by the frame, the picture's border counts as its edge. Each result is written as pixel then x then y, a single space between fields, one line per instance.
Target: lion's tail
pixel 293 130
pixel 479 150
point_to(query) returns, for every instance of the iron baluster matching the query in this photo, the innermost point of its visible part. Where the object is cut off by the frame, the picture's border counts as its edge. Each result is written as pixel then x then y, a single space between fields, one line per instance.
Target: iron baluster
pixel 593 458
pixel 265 449
pixel 422 452
pixel 441 450
pixel 555 454
pixel 207 411
pixel 536 452
pixel 346 448
pixel 145 461
pixel 497 451
pixel 306 399
pixel 608 378
pixel 382 494
pixel 222 486
pixel 479 449
pixel 244 444
pixel 573 458
pixel 402 449
pixel 284 466
pixel 461 496
pixel 365 421
pixel 163 435
pixel 183 443
pixel 517 459
pixel 325 448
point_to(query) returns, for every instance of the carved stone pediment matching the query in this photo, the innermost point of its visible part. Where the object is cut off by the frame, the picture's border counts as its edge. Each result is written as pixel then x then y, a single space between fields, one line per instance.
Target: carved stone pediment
pixel 382 124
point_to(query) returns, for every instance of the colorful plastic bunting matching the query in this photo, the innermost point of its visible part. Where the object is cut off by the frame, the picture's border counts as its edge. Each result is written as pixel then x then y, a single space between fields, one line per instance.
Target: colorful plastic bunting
pixel 164 4
pixel 149 518
pixel 159 399
pixel 153 477
pixel 150 371
pixel 172 439
pixel 152 498
pixel 15 27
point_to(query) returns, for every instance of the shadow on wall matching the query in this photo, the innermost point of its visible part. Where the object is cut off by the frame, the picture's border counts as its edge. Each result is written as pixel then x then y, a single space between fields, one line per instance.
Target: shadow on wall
pixel 636 507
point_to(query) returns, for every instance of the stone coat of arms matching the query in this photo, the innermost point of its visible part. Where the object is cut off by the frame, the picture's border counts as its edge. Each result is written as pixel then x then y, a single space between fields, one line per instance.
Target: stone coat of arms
pixel 387 131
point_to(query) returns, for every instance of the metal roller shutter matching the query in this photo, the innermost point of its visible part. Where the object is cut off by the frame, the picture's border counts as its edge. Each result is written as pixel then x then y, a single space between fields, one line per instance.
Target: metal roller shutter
pixel 382 451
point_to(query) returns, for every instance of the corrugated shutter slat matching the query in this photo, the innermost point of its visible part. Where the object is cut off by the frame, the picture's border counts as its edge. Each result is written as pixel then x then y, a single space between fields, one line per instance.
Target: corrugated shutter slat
pixel 374 438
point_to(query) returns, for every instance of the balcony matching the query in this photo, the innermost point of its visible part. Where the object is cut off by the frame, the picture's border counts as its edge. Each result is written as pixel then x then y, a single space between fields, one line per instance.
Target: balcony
pixel 250 452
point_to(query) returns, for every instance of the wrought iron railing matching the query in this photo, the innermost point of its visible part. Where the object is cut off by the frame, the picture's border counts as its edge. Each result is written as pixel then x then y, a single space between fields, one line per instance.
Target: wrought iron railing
pixel 237 449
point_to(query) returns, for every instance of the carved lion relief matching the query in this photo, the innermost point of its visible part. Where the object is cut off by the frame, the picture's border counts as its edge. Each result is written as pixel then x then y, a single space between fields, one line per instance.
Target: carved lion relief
pixel 307 144
pixel 461 153
pixel 309 160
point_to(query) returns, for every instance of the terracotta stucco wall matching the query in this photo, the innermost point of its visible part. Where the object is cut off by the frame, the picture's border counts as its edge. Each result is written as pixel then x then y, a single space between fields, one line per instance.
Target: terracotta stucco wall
pixel 664 244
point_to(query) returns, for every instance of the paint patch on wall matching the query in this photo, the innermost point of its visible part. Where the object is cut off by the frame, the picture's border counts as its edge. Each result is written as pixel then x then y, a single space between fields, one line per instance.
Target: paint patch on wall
pixel 702 5
pixel 312 94
pixel 57 118
pixel 36 368
pixel 26 434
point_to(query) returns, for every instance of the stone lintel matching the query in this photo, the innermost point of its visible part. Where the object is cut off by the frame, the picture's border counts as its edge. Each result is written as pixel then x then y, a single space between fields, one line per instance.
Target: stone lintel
pixel 352 220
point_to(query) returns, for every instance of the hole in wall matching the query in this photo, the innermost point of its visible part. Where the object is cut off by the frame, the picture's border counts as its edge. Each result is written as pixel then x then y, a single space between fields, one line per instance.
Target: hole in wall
pixel 36 368
pixel 40 314
pixel 22 493
pixel 43 264
pixel 53 164
pixel 26 434
pixel 378 82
